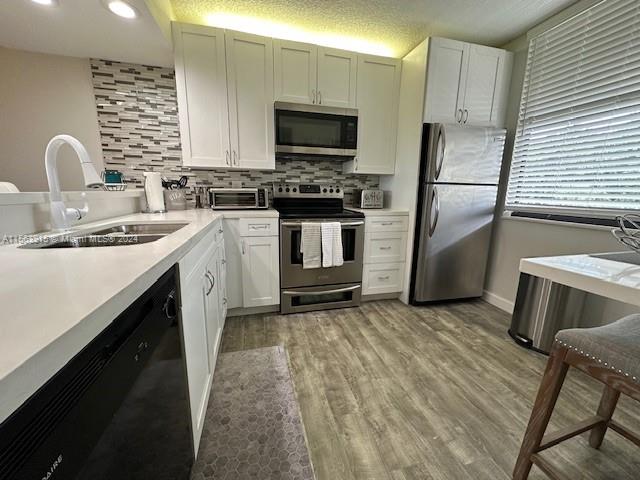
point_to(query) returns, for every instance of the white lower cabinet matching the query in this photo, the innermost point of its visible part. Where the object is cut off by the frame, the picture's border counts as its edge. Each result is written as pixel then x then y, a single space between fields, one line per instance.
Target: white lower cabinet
pixel 382 278
pixel 385 250
pixel 260 259
pixel 202 294
pixel 253 262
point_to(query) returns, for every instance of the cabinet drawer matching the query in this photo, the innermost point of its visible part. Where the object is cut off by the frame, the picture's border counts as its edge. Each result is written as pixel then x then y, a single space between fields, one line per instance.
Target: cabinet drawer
pixel 383 278
pixel 258 227
pixel 387 224
pixel 385 247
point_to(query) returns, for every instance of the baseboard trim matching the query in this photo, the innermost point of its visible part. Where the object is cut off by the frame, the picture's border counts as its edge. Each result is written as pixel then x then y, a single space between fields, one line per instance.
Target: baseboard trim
pixel 380 296
pixel 498 301
pixel 237 312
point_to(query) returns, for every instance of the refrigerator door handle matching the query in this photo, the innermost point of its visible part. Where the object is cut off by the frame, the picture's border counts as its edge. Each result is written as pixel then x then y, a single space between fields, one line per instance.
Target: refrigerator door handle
pixel 435 205
pixel 441 145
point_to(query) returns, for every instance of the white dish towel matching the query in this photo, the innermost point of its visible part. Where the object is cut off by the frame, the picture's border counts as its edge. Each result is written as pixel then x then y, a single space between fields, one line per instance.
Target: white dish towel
pixel 310 245
pixel 332 255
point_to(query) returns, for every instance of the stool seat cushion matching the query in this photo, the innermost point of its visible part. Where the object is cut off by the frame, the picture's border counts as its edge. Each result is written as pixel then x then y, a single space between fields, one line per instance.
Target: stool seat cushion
pixel 615 346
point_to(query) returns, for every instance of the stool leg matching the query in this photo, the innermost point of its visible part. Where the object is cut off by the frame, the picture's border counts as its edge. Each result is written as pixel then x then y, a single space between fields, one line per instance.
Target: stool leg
pixel 606 408
pixel 542 409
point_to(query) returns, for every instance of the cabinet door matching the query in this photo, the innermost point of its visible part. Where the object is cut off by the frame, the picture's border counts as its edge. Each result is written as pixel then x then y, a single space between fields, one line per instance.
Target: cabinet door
pixel 201 83
pixel 377 102
pixel 234 263
pixel 486 66
pixel 446 76
pixel 222 283
pixel 260 271
pixel 295 71
pixel 250 87
pixel 196 347
pixel 214 327
pixel 337 77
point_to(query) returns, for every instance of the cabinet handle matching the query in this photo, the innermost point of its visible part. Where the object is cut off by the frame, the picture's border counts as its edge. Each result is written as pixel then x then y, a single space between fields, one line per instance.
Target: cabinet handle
pixel 224 262
pixel 226 157
pixel 386 224
pixel 212 279
pixel 220 230
pixel 466 116
pixel 385 248
pixel 319 97
pixel 235 158
pixel 384 278
pixel 243 247
pixel 224 300
pixel 459 112
pixel 313 93
pixel 355 167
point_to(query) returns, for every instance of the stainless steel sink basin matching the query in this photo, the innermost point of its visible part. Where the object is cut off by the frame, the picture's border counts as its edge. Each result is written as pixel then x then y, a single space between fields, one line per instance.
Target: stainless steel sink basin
pixel 93 241
pixel 624 257
pixel 140 229
pixel 114 236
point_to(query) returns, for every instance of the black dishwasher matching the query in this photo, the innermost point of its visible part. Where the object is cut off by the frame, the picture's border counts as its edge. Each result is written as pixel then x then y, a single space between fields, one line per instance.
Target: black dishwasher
pixel 118 410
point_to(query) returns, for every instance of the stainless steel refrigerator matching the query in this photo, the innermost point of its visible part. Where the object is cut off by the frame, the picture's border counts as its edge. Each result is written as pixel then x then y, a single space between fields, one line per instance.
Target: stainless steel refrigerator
pixel 459 172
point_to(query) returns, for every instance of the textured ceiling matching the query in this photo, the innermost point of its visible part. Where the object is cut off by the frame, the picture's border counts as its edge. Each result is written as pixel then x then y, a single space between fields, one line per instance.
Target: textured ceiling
pixel 382 26
pixel 83 28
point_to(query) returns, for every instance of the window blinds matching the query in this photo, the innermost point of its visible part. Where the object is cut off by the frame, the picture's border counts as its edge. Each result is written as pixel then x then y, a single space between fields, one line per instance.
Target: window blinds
pixel 577 145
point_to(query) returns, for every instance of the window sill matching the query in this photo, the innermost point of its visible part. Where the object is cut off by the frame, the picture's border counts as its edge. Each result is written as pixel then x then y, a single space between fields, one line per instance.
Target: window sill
pixel 556 223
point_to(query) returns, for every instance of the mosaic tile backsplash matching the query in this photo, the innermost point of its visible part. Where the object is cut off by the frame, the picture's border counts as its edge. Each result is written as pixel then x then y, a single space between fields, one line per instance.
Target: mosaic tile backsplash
pixel 139 131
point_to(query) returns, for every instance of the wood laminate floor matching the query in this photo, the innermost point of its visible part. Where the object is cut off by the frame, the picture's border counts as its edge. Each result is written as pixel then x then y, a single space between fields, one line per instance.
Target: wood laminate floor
pixel 389 391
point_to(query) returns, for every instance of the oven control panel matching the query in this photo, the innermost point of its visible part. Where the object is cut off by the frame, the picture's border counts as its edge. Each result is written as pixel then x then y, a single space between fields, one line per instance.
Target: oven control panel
pixel 307 190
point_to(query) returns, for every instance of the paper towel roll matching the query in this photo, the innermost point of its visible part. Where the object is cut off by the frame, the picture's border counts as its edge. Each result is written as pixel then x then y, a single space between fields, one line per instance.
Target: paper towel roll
pixel 153 191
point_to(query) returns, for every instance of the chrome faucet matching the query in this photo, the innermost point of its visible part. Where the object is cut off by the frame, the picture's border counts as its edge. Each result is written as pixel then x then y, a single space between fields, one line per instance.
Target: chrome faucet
pixel 61 216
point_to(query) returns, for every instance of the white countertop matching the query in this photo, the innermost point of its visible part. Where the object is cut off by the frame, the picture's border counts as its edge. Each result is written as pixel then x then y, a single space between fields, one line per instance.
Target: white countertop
pixel 380 212
pixel 608 278
pixel 55 301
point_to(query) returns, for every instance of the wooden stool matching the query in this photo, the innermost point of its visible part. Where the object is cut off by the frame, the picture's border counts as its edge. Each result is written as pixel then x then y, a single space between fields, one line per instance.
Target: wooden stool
pixel 610 354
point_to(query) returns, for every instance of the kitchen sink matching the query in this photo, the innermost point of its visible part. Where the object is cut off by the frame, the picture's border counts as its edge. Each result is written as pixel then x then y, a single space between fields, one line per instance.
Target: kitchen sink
pixel 140 229
pixel 624 257
pixel 114 236
pixel 81 241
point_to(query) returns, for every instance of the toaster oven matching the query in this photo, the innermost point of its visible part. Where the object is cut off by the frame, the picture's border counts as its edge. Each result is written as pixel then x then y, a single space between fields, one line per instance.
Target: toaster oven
pixel 238 198
pixel 368 198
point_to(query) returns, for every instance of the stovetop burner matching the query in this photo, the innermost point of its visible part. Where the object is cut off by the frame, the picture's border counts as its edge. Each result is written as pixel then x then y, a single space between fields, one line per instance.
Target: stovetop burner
pixel 293 200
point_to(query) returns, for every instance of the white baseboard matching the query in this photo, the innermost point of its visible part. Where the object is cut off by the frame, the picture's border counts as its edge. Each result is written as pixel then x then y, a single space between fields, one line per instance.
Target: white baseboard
pixel 237 312
pixel 498 301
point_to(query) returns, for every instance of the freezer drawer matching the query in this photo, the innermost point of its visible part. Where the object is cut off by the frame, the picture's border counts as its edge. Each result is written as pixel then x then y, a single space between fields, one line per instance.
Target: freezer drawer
pixel 453 242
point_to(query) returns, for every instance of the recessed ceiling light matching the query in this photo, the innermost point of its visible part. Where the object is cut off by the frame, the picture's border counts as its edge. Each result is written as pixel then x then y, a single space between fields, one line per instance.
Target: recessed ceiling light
pixel 122 9
pixel 48 3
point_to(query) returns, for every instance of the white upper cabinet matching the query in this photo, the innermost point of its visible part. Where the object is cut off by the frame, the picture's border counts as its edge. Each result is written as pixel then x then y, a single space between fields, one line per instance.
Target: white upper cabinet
pixel 250 91
pixel 307 73
pixel 336 77
pixel 377 92
pixel 295 66
pixel 445 80
pixel 466 83
pixel 224 82
pixel 202 95
pixel 486 85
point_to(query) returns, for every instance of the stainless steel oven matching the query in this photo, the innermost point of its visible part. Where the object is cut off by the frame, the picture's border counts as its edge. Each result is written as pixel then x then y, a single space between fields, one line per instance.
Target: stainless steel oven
pixel 316 129
pixel 319 288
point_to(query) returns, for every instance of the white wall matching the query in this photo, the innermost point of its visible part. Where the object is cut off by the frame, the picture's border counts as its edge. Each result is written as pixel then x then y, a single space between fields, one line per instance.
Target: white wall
pixel 42 96
pixel 514 239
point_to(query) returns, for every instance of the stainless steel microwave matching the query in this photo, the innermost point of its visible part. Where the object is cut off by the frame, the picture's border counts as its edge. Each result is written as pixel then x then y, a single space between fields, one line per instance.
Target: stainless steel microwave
pixel 238 198
pixel 316 129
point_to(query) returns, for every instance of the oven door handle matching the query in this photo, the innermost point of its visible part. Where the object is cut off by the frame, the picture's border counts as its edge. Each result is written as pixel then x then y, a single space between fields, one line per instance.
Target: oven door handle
pixel 342 224
pixel 321 292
